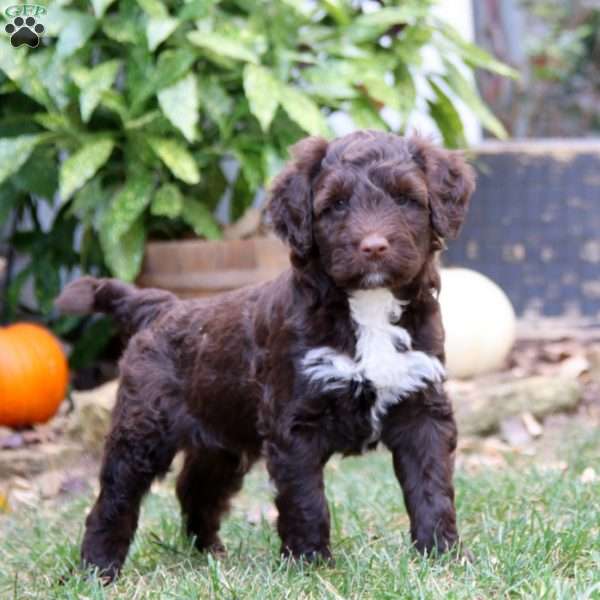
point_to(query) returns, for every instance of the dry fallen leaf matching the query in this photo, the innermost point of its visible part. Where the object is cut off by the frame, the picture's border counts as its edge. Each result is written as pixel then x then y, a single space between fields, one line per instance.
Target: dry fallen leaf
pixel 588 476
pixel 11 441
pixel 574 366
pixel 514 431
pixel 21 492
pixel 533 426
pixel 49 483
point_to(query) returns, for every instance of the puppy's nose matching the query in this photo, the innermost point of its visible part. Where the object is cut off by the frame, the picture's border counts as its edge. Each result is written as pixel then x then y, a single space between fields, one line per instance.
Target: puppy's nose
pixel 374 246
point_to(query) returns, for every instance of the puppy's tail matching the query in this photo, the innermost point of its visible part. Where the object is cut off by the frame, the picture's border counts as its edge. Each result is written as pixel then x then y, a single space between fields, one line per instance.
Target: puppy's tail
pixel 132 308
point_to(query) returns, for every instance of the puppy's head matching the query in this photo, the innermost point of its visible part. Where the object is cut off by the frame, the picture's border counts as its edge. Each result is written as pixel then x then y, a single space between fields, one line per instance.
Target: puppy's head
pixel 371 207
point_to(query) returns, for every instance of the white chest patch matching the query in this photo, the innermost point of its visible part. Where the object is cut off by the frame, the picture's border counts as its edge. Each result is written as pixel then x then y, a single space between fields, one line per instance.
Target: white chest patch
pixel 383 357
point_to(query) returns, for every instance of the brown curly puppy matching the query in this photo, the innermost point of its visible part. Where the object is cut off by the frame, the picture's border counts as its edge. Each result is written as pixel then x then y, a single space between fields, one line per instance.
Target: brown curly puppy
pixel 342 351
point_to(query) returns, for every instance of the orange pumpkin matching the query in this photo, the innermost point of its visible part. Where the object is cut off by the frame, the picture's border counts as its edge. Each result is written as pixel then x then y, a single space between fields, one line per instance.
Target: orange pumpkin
pixel 33 374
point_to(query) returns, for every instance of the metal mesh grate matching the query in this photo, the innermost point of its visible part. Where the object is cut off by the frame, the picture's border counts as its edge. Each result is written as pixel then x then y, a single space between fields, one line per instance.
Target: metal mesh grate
pixel 534 226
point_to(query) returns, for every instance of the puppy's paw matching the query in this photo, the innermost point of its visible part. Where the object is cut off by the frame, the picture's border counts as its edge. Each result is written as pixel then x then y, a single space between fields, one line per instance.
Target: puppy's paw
pixel 217 549
pixel 213 546
pixel 106 565
pixel 452 547
pixel 106 574
pixel 317 557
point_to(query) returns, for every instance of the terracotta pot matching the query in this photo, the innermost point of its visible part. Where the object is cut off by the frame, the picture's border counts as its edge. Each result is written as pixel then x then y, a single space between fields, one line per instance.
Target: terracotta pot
pixel 194 268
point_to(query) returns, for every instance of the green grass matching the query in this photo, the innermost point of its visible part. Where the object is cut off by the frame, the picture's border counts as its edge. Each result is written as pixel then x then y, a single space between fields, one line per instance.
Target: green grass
pixel 535 533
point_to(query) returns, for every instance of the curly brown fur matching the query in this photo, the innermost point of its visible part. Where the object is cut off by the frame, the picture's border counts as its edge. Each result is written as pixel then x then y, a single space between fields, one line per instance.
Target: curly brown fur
pixel 340 352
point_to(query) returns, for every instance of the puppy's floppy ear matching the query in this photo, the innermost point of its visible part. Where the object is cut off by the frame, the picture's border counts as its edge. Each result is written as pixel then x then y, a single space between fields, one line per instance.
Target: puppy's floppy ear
pixel 450 180
pixel 290 205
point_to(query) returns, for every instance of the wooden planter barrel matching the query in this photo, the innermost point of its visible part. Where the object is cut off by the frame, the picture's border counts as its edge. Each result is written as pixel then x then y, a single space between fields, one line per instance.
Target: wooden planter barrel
pixel 195 268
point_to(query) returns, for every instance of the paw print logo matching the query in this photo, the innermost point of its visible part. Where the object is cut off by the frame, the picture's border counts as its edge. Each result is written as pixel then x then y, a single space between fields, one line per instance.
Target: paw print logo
pixel 24 31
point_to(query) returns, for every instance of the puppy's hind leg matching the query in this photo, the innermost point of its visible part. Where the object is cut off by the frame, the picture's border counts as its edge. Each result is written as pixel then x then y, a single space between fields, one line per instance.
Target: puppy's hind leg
pixel 144 437
pixel 209 478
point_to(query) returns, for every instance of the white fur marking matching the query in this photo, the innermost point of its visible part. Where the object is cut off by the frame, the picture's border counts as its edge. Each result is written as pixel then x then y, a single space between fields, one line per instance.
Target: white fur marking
pixel 384 355
pixel 332 369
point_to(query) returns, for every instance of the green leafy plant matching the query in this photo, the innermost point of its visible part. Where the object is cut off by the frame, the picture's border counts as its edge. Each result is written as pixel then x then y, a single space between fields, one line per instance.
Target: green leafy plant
pixel 119 123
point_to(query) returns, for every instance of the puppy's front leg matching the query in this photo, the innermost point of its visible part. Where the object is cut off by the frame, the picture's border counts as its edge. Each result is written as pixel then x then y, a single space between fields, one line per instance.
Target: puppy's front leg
pixel 296 468
pixel 421 433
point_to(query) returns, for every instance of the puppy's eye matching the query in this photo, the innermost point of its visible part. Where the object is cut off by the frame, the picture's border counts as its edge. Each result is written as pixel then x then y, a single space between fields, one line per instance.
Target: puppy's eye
pixel 340 205
pixel 403 200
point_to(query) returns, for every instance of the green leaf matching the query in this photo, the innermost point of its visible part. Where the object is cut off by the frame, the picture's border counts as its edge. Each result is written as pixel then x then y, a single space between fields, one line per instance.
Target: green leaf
pixel 93 83
pixel 141 75
pixel 77 31
pixel 10 199
pixel 168 202
pixel 472 54
pixel 121 29
pixel 172 65
pixel 273 163
pixel 88 202
pixel 17 68
pixel 379 90
pixel 56 19
pixel 196 9
pixel 15 124
pixel 387 16
pixel 199 218
pixel 213 185
pixel 179 161
pixel 159 29
pixel 13 295
pixel 223 45
pixel 466 91
pixel 112 100
pixel 262 90
pixel 54 121
pixel 241 198
pixel 447 118
pixel 122 232
pixel 145 78
pixel 143 121
pixel 51 71
pixel 338 9
pixel 100 7
pixel 39 175
pixel 180 103
pixel 124 256
pixel 127 205
pixel 332 80
pixel 83 165
pixel 153 8
pixel 406 87
pixel 46 282
pixel 215 101
pixel 371 25
pixel 90 343
pixel 303 111
pixel 408 47
pixel 14 152
pixel 365 115
pixel 251 161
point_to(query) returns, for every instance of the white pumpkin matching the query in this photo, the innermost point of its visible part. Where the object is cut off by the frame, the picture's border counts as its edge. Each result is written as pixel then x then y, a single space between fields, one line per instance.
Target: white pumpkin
pixel 479 321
